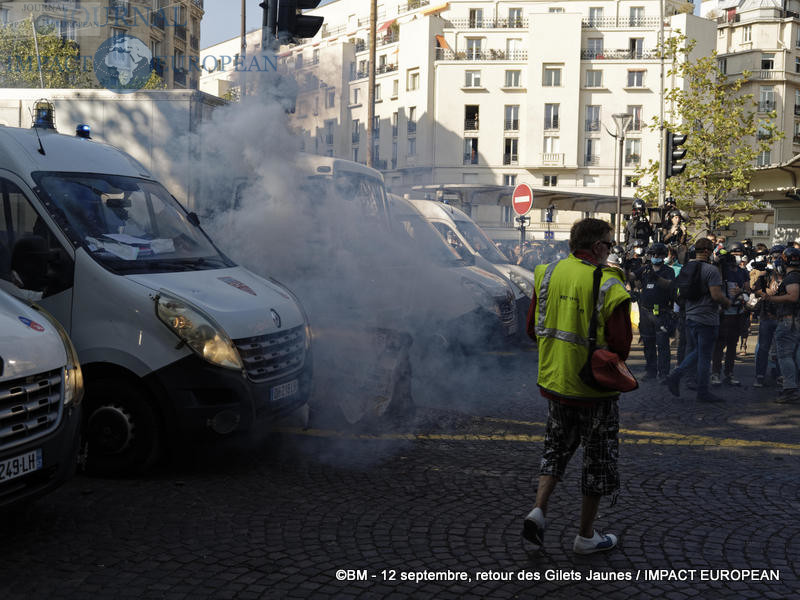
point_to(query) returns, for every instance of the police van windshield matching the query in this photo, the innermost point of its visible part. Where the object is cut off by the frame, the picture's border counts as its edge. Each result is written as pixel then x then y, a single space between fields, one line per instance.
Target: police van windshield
pixel 128 225
pixel 424 237
pixel 480 242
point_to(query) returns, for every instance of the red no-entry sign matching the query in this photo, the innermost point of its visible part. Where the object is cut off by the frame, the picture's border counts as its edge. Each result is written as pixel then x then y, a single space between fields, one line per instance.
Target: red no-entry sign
pixel 522 199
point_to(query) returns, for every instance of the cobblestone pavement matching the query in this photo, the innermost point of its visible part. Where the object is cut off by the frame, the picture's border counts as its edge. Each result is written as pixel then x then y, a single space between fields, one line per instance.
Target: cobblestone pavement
pixel 709 494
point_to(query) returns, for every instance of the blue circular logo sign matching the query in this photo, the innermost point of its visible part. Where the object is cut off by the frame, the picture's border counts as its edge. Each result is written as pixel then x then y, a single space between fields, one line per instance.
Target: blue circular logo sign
pixel 123 64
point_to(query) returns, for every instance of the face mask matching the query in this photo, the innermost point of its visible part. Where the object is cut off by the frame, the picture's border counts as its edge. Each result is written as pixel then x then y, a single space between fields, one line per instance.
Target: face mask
pixel 656 260
pixel 638 251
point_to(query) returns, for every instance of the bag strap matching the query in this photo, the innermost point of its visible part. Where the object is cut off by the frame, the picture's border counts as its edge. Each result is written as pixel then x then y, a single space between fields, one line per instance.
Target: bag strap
pixel 598 273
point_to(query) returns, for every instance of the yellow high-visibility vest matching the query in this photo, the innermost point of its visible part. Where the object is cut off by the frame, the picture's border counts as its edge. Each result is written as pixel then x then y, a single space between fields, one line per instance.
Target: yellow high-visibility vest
pixel 563 312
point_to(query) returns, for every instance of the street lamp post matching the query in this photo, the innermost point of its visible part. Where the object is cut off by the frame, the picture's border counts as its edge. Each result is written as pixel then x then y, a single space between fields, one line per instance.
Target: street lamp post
pixel 622 120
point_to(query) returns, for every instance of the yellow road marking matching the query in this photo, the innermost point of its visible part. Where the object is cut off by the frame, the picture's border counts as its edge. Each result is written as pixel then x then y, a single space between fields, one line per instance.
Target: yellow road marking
pixel 662 438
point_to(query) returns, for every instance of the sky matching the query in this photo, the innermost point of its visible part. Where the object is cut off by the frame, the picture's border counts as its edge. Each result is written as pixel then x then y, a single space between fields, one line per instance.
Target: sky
pixel 222 20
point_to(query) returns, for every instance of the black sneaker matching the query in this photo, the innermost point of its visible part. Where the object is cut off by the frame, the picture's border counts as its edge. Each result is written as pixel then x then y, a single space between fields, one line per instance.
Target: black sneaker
pixel 674 385
pixel 788 396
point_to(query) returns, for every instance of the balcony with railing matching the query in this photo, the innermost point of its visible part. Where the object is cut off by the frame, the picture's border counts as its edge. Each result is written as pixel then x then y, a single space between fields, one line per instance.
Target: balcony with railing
pixel 412 5
pixel 513 23
pixel 632 160
pixel 180 32
pixel 592 125
pixel 470 124
pixel 553 159
pixel 471 157
pixel 511 125
pixel 511 158
pixel 481 55
pixel 356 137
pixel 120 8
pixel 621 54
pixel 591 160
pixel 194 43
pixel 198 3
pixel 412 127
pixel 387 68
pixel 620 23
pixel 394 131
pixel 329 139
pixel 797 110
pixel 359 75
pixel 360 46
pixel 796 138
pixel 766 105
pixel 389 38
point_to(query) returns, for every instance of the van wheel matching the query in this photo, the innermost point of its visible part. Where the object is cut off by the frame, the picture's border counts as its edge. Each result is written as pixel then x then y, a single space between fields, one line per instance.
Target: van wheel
pixel 121 429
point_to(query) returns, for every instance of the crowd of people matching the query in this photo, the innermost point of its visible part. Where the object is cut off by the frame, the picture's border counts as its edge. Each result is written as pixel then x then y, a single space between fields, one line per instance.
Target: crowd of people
pixel 741 284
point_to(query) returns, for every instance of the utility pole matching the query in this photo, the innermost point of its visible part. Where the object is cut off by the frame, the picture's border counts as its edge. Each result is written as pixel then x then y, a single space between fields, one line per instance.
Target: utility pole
pixel 373 25
pixel 662 180
pixel 244 28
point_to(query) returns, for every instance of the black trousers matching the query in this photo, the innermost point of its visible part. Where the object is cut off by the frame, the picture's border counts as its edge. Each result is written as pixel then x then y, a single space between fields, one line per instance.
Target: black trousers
pixel 654 331
pixel 727 340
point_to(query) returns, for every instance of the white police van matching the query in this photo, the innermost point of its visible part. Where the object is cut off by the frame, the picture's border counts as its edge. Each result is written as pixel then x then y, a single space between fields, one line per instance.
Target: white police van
pixel 41 387
pixel 173 336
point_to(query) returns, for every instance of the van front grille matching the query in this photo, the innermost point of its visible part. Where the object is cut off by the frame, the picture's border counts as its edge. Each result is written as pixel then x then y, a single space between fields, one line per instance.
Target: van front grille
pixel 273 356
pixel 30 407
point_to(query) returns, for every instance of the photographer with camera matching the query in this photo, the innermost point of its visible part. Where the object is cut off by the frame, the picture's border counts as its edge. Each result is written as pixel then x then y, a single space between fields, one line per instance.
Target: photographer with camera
pixel 638 226
pixel 736 286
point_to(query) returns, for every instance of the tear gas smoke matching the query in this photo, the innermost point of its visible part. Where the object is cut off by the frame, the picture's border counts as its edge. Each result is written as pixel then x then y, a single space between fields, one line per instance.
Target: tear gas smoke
pixel 372 297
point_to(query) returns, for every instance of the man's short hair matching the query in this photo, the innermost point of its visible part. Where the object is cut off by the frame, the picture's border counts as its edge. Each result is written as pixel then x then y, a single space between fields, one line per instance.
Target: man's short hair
pixel 586 232
pixel 703 245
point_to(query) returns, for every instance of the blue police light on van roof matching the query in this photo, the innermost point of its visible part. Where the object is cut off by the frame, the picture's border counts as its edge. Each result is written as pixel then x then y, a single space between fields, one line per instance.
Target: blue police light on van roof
pixel 83 131
pixel 44 114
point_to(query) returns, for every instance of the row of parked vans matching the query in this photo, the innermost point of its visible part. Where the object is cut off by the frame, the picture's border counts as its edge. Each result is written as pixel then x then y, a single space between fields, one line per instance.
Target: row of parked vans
pixel 98 262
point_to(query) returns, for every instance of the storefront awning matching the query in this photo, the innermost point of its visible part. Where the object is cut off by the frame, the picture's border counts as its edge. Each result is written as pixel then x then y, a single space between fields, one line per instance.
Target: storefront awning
pixel 386 25
pixel 442 42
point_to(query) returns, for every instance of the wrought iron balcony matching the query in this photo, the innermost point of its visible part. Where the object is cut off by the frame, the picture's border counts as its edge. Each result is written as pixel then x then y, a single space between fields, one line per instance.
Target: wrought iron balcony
pixel 412 127
pixel 180 32
pixel 622 54
pixel 551 123
pixel 513 55
pixel 591 160
pixel 487 23
pixel 592 125
pixel 387 68
pixel 158 20
pixel 620 22
pixel 471 124
pixel 511 159
pixel 766 105
pixel 511 125
pixel 412 5
pixel 179 76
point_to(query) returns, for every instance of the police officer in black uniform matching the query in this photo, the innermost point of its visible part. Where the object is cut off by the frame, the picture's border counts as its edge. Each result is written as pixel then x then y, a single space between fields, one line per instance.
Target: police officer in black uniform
pixel 654 281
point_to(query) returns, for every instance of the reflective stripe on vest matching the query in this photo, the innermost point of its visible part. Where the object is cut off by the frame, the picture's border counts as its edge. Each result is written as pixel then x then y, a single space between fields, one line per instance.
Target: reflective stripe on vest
pixel 565 336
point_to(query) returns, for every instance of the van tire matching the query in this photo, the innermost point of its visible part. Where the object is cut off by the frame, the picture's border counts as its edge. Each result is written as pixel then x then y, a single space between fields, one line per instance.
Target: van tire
pixel 121 429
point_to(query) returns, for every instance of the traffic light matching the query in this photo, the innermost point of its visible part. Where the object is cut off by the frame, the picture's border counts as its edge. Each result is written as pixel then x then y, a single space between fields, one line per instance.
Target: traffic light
pixel 282 19
pixel 675 153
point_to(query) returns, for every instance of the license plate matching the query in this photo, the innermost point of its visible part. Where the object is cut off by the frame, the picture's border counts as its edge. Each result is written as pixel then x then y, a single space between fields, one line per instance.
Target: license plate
pixel 11 468
pixel 284 390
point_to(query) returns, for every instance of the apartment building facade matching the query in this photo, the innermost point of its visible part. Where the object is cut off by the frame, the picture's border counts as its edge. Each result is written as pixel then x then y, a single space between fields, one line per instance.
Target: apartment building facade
pixel 170 29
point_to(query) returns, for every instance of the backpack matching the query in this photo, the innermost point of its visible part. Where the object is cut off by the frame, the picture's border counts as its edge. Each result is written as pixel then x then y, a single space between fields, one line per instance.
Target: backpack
pixel 688 285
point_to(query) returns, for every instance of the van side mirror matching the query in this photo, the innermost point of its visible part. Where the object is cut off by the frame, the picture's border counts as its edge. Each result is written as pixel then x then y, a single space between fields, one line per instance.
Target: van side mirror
pixel 193 219
pixel 30 263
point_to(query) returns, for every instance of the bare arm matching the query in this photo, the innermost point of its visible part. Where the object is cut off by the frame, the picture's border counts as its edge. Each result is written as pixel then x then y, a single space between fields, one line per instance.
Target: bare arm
pixel 792 294
pixel 717 295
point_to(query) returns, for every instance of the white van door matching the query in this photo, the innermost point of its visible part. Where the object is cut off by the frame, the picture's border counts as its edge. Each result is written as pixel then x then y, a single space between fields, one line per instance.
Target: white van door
pixel 36 263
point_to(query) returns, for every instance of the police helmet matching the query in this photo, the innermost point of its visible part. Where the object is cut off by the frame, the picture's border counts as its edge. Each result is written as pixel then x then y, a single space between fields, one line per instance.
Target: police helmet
pixel 691 253
pixel 791 257
pixel 670 201
pixel 658 249
pixel 736 247
pixel 638 205
pixel 618 250
pixel 777 249
pixel 747 242
pixel 637 243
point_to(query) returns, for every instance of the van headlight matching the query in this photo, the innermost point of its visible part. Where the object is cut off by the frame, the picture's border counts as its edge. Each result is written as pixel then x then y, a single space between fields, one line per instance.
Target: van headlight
pixel 526 285
pixel 199 331
pixel 481 295
pixel 73 375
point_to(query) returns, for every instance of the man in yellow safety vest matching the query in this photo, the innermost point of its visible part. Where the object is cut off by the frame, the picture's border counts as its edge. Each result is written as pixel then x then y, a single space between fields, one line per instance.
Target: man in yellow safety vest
pixel 558 319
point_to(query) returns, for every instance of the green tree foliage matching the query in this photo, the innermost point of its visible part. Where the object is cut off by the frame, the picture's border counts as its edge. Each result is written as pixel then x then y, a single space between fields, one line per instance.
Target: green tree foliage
pixel 724 139
pixel 62 64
